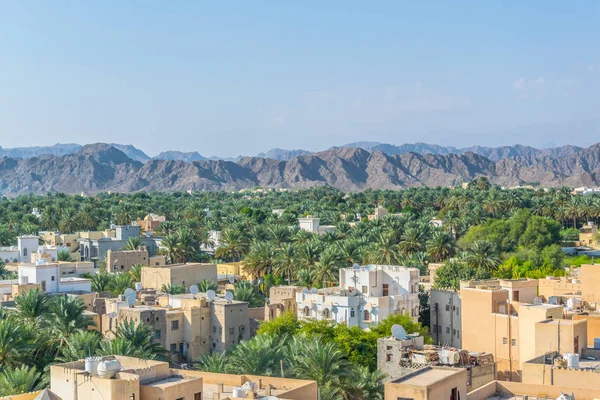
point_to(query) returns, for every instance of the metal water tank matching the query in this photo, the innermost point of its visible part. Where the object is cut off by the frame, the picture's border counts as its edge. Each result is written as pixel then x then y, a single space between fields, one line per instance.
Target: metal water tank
pixel 572 360
pixel 239 392
pixel 138 286
pixel 23 280
pixel 91 365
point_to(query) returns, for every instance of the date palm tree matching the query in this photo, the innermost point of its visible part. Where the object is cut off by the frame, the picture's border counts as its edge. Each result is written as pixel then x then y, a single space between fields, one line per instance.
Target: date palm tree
pixel 133 243
pixel 32 306
pixel 64 255
pixel 440 246
pixel 482 254
pixel 19 380
pixel 205 285
pixel 216 362
pixel 285 261
pixel 66 317
pixel 79 345
pixel 136 272
pixel 234 244
pixel 119 282
pixel 259 356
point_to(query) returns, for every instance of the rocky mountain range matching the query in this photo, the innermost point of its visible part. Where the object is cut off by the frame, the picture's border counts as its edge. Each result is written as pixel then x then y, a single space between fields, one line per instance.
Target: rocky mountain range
pixel 102 167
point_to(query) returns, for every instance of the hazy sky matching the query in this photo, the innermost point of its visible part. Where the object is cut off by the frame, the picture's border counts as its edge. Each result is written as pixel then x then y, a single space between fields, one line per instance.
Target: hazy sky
pixel 239 77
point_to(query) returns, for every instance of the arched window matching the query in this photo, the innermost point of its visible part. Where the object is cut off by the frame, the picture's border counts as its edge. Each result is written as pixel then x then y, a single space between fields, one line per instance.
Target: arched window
pixel 306 311
pixel 326 313
pixel 24 252
pixel 366 315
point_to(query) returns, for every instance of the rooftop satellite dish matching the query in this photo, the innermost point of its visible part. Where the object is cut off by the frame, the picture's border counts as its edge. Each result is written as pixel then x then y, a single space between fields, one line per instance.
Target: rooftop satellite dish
pixel 537 300
pixel 128 292
pixel 355 266
pixel 232 279
pixel 131 301
pixel 305 291
pixel 228 296
pixel 211 294
pixel 398 332
pixel 194 289
pixel 314 290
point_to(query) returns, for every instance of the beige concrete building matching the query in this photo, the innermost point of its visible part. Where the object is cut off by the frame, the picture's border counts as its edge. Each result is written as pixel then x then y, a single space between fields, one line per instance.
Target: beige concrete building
pixel 150 223
pixel 187 326
pixel 123 260
pixel 590 287
pixel 593 326
pixel 558 286
pixel 430 383
pixel 500 390
pixel 69 240
pixel 177 274
pixel 138 379
pixel 586 234
pixel 515 332
pixel 545 370
pixel 282 299
pixel 522 290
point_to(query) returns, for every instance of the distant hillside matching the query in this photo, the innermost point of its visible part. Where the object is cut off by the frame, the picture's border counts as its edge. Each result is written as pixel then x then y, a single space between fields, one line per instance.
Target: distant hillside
pixel 179 156
pixel 101 167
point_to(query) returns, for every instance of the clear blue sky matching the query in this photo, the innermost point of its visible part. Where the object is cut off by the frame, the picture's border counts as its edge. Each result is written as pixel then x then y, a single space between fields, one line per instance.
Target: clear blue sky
pixel 240 77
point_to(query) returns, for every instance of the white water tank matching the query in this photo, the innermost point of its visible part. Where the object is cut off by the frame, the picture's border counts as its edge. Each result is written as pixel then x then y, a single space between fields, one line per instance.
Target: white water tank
pixel 572 360
pixel 239 392
pixel 107 369
pixel 138 286
pixel 23 280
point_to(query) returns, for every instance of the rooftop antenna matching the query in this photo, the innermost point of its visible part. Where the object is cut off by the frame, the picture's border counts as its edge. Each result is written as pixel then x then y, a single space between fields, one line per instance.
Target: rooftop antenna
pixel 228 296
pixel 211 295
pixel 193 290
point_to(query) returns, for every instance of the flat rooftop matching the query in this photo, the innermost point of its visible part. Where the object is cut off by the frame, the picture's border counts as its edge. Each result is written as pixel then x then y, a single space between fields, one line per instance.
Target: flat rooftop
pixel 427 376
pixel 171 380
pixel 209 389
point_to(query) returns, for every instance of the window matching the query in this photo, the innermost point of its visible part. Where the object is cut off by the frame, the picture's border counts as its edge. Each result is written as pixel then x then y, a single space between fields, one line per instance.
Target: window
pixel 513 342
pixel 352 313
pixel 157 334
pixel 181 348
pixel 456 310
pixel 364 289
pixel 388 357
pixel 231 331
pixel 53 278
pixel 434 328
pixel 242 329
pixel 214 329
pixel 198 396
pixel 388 347
pixel 515 295
pixel 457 334
pixel 173 348
pixel 366 315
pixel 174 325
pixel 24 252
pixel 386 289
pixel 439 329
pixel 447 307
pixel 447 329
pixel 504 340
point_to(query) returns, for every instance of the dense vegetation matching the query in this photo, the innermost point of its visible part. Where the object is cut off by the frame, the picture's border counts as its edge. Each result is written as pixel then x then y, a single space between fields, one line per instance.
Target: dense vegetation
pixel 42 330
pixel 486 232
pixel 342 360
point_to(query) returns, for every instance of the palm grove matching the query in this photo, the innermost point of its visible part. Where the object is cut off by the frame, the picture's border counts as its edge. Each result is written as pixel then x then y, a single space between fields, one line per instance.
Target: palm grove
pixel 486 232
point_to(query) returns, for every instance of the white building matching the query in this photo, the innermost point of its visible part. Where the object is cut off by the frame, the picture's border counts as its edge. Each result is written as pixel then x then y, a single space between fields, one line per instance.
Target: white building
pixel 26 246
pixel 366 296
pixel 312 225
pixel 48 276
